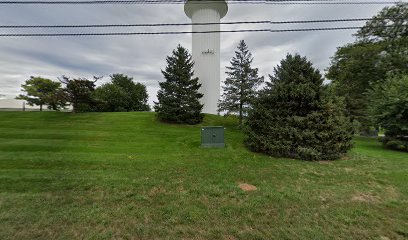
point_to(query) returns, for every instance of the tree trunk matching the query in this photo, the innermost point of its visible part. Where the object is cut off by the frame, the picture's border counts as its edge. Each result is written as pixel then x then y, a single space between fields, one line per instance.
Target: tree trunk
pixel 40 107
pixel 240 114
pixel 240 103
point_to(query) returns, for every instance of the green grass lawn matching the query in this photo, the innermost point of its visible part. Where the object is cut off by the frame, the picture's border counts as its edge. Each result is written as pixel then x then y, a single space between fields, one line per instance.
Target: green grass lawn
pixel 125 175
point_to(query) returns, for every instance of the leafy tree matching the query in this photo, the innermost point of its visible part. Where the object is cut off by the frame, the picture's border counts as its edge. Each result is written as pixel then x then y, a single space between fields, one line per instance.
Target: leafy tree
pixel 389 30
pixel 121 95
pixel 111 98
pixel 80 93
pixel 178 95
pixel 136 93
pixel 389 108
pixel 389 24
pixel 294 115
pixel 380 51
pixel 41 91
pixel 354 69
pixel 241 84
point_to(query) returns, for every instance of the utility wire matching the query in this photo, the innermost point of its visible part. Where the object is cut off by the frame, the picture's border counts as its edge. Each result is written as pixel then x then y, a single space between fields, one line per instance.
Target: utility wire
pixel 181 32
pixel 200 24
pixel 76 2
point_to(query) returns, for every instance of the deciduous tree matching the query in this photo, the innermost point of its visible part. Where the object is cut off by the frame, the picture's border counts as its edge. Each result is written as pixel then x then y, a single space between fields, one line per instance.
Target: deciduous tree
pixel 136 93
pixel 41 91
pixel 80 93
pixel 380 51
pixel 389 108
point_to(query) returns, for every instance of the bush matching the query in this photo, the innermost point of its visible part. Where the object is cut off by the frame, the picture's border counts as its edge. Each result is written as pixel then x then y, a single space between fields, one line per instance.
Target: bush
pixel 295 116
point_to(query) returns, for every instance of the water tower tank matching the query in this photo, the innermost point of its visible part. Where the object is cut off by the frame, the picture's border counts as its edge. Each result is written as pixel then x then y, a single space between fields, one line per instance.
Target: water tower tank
pixel 206 47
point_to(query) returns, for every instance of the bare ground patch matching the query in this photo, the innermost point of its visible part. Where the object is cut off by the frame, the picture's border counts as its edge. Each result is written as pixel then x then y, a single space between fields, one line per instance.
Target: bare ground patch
pixel 247 187
pixel 365 197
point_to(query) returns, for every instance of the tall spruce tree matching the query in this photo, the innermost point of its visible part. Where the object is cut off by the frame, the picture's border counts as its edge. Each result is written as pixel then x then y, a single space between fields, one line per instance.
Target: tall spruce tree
pixel 295 117
pixel 241 84
pixel 179 98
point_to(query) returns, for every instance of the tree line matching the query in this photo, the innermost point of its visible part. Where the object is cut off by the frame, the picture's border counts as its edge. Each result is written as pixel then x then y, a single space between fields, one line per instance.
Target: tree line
pixel 296 115
pixel 371 75
pixel 121 94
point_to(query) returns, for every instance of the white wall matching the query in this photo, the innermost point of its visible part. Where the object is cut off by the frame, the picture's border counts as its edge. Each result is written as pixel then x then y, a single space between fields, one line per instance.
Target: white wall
pixel 15 104
pixel 12 103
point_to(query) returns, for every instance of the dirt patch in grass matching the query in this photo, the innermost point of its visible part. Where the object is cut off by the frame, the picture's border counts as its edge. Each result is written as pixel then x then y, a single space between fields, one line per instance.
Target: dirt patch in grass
pixel 325 162
pixel 247 187
pixel 348 170
pixel 392 193
pixel 229 237
pixel 156 191
pixel 364 197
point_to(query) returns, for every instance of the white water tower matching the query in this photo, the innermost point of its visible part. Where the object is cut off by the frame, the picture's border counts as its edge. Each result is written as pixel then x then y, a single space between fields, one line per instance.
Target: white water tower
pixel 206 47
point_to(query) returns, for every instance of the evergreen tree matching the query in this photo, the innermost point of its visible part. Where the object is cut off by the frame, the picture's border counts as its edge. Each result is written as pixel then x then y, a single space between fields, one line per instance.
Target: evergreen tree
pixel 178 95
pixel 241 84
pixel 295 117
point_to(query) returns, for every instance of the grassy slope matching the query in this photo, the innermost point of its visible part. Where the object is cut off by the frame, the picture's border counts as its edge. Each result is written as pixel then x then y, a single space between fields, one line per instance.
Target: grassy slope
pixel 112 175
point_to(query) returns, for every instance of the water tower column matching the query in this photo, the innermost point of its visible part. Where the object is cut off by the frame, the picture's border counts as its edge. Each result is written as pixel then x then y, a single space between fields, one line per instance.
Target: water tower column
pixel 206 48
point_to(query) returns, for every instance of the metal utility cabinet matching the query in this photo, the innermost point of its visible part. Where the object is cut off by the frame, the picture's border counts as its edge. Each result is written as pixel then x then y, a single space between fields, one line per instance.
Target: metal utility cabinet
pixel 212 137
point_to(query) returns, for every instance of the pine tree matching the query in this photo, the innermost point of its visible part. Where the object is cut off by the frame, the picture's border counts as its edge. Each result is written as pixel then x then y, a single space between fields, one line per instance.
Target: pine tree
pixel 178 95
pixel 295 116
pixel 241 84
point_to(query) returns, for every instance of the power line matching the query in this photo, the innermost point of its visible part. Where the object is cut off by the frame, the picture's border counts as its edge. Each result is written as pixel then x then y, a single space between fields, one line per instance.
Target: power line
pixel 200 24
pixel 133 25
pixel 76 2
pixel 341 2
pixel 173 32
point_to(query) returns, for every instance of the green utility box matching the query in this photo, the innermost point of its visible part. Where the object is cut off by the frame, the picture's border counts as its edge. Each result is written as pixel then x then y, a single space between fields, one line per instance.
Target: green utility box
pixel 212 137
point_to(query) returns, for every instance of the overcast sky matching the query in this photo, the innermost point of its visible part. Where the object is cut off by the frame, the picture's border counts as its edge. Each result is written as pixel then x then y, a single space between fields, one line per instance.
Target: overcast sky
pixel 142 57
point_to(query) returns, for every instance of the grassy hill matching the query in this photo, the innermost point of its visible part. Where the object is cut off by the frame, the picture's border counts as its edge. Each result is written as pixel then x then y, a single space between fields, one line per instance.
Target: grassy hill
pixel 125 175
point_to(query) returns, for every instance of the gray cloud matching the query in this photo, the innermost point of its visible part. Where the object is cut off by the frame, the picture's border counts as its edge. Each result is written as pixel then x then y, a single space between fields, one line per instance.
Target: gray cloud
pixel 144 56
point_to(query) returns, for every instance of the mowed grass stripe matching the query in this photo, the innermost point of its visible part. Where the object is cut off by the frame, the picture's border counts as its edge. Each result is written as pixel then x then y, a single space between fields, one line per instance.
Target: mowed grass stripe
pixel 125 175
